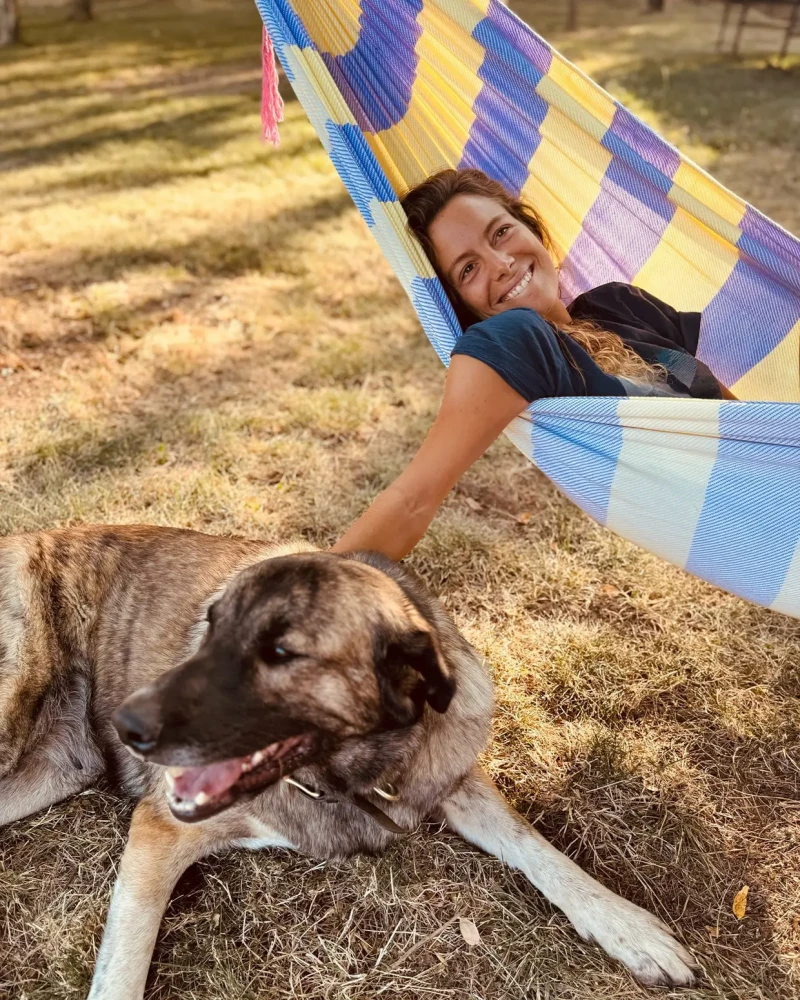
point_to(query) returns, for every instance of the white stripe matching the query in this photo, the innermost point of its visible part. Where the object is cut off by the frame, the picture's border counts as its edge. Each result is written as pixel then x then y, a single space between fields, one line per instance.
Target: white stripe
pixel 669 447
pixel 788 599
pixel 519 433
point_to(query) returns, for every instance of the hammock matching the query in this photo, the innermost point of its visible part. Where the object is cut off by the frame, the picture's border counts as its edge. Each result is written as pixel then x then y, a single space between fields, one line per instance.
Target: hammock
pixel 397 89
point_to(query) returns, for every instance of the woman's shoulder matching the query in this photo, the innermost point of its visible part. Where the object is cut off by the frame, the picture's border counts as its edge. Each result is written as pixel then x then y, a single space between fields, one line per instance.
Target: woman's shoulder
pixel 519 320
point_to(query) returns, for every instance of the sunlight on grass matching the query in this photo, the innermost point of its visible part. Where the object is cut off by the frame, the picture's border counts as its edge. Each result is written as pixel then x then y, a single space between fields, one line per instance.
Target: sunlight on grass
pixel 197 330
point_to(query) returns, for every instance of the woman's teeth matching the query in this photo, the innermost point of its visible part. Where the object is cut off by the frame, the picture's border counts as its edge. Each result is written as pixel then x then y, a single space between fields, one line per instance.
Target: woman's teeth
pixel 519 287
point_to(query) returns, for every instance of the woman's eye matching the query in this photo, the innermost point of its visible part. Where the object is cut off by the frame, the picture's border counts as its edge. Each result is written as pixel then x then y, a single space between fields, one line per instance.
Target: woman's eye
pixel 467 271
pixel 501 232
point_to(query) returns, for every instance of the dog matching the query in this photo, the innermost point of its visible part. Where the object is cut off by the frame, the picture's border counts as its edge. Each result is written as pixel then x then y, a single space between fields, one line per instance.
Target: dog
pixel 253 696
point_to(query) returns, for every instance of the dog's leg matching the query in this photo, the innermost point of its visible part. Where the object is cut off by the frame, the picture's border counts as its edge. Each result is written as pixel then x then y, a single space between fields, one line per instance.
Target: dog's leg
pixel 638 939
pixel 158 851
pixel 38 783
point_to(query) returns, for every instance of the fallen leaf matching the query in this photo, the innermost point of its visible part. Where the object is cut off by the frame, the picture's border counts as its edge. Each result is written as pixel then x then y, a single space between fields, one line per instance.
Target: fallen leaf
pixel 712 931
pixel 524 517
pixel 796 923
pixel 472 504
pixel 609 590
pixel 469 931
pixel 740 902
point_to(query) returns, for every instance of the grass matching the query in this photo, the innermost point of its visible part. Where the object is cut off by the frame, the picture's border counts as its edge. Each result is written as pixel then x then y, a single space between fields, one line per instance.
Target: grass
pixel 197 330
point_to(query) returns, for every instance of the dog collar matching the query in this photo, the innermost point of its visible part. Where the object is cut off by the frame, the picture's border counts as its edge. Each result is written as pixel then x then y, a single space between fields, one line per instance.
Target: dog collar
pixel 380 817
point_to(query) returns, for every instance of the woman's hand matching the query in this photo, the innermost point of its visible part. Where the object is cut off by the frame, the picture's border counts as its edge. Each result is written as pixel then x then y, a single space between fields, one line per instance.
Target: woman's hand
pixel 476 407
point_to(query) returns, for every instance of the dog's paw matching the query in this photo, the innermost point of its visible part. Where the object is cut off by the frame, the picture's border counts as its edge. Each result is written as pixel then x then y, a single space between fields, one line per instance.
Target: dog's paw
pixel 637 939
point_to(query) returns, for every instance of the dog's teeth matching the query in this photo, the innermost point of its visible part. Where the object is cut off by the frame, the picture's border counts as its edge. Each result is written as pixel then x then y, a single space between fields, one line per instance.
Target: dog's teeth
pixel 257 757
pixel 200 799
pixel 169 777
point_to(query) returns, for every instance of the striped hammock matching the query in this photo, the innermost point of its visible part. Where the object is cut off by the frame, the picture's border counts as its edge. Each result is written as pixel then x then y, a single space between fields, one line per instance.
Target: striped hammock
pixel 397 89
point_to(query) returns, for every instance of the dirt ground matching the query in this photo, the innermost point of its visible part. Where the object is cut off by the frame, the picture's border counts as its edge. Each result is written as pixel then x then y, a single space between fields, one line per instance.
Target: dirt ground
pixel 197 330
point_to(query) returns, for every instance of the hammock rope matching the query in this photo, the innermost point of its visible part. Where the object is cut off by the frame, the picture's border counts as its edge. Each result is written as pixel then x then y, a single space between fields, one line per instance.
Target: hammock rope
pixel 397 89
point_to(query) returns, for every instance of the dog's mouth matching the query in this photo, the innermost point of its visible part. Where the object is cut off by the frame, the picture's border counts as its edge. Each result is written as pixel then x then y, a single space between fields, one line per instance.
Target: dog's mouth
pixel 195 793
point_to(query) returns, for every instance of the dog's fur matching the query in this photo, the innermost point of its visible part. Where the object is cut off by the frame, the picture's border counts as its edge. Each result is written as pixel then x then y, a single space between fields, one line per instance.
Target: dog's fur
pixel 347 650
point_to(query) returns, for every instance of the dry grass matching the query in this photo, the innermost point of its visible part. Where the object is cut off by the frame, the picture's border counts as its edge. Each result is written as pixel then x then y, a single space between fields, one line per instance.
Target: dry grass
pixel 197 330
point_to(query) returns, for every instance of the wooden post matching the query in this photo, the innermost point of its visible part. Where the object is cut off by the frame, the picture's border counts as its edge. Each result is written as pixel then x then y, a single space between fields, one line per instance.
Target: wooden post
pixel 572 15
pixel 81 10
pixel 9 22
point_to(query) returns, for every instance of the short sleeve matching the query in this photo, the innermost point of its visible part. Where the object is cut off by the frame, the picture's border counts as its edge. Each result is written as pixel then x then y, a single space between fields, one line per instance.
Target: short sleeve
pixel 525 351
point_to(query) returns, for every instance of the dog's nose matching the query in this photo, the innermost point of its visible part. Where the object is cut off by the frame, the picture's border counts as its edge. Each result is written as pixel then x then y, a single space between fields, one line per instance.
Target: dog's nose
pixel 138 726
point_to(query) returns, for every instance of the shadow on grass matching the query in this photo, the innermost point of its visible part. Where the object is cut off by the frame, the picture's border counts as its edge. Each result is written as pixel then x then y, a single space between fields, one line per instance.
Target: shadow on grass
pixel 726 103
pixel 219 252
pixel 683 864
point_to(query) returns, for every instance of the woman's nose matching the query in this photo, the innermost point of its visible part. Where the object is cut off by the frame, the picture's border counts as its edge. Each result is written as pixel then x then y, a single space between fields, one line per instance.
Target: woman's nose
pixel 503 264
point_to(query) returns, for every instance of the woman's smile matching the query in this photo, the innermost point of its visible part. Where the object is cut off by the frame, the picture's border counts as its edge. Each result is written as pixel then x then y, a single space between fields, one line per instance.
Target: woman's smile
pixel 520 286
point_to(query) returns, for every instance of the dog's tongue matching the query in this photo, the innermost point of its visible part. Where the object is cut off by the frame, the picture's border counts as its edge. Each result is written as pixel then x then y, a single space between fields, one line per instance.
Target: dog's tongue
pixel 213 779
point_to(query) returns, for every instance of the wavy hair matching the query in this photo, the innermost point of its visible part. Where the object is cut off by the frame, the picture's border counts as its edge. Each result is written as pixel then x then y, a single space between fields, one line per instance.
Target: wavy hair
pixel 424 202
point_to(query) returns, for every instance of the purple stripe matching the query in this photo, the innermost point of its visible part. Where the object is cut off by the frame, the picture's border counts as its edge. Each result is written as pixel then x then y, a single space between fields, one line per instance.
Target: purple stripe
pixel 508 111
pixel 620 233
pixel 387 38
pixel 746 319
pixel 645 142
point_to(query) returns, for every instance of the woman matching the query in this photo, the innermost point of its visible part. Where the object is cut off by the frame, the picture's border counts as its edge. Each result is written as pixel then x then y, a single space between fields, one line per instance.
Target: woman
pixel 520 343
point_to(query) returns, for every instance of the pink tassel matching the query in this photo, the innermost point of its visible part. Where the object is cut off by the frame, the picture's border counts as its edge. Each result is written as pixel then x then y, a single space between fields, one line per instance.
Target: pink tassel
pixel 271 100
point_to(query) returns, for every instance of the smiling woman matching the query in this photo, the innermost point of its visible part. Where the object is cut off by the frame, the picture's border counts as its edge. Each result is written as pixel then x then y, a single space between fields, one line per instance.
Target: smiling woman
pixel 520 342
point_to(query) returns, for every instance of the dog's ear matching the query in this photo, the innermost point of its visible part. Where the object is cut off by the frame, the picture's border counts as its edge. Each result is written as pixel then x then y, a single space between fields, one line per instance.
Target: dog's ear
pixel 412 671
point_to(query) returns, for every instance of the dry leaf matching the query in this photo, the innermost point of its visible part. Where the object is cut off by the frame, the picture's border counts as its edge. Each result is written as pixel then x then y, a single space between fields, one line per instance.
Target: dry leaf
pixel 740 902
pixel 609 590
pixel 712 931
pixel 524 517
pixel 796 923
pixel 472 504
pixel 469 931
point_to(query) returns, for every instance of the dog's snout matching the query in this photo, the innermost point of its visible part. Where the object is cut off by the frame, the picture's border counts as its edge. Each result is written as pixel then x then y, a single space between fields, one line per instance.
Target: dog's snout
pixel 138 725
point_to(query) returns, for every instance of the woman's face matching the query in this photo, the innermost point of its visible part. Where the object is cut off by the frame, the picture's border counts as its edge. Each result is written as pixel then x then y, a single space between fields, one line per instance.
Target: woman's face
pixel 492 260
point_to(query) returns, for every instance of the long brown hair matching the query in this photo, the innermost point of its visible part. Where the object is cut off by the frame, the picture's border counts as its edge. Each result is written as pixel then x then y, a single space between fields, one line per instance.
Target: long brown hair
pixel 424 202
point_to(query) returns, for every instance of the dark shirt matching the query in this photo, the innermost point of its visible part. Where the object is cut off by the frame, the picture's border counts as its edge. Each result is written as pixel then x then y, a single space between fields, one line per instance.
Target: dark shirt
pixel 539 361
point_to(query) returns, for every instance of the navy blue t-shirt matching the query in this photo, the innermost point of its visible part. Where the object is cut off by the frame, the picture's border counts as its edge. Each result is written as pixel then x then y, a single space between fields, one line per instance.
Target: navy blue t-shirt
pixel 539 361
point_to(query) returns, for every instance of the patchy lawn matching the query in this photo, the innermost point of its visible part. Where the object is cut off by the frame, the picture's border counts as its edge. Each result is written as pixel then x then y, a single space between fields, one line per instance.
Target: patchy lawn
pixel 197 330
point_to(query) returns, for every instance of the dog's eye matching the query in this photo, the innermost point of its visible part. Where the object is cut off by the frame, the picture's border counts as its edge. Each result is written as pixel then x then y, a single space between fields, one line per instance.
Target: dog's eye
pixel 275 652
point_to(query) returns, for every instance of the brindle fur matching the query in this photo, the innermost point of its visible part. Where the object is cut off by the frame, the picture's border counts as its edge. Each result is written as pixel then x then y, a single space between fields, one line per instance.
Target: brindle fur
pixel 94 617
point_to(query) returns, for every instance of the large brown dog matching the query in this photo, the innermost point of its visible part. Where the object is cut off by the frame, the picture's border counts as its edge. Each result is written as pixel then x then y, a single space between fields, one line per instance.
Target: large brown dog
pixel 225 666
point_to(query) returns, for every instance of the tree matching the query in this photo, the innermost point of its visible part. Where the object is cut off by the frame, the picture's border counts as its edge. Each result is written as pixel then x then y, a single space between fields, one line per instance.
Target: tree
pixel 572 15
pixel 9 22
pixel 81 10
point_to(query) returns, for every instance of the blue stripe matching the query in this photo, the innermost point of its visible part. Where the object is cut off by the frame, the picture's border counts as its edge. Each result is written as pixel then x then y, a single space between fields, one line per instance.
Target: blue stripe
pixel 436 315
pixel 579 453
pixel 750 523
pixel 646 170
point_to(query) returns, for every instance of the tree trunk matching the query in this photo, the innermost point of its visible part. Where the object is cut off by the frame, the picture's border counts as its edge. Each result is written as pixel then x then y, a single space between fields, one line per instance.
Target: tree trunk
pixel 81 10
pixel 9 22
pixel 572 15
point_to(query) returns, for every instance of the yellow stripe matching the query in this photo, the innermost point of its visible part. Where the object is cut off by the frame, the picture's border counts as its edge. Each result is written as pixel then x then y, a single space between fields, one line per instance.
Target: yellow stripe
pixel 565 175
pixel 689 265
pixel 435 129
pixel 334 27
pixel 777 376
pixel 578 97
pixel 707 201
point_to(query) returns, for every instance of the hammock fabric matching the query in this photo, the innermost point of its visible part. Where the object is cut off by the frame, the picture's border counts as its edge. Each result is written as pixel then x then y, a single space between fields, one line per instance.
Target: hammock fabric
pixel 397 89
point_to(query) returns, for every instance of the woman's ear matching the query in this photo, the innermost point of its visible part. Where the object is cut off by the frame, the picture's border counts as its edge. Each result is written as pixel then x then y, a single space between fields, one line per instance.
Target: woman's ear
pixel 411 671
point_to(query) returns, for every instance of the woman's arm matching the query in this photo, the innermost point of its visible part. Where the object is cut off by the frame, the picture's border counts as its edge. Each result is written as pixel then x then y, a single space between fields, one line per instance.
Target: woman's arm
pixel 476 407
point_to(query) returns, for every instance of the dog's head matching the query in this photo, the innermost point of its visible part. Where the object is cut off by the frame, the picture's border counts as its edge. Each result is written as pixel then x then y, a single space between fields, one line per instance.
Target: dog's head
pixel 301 653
